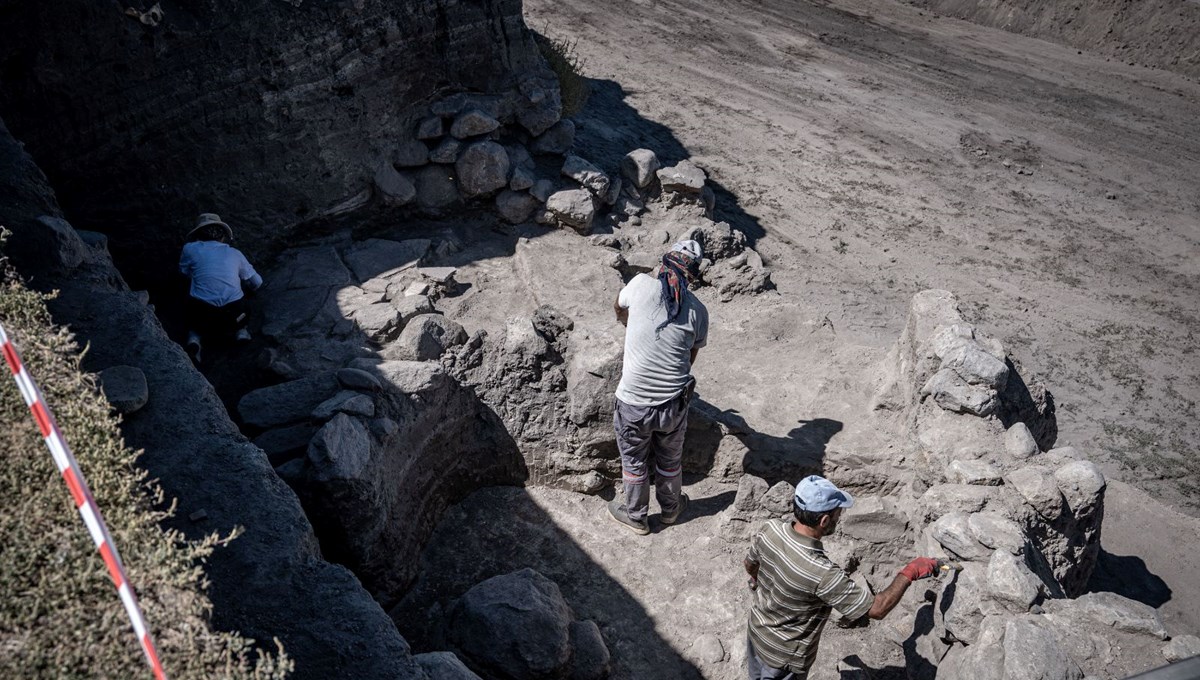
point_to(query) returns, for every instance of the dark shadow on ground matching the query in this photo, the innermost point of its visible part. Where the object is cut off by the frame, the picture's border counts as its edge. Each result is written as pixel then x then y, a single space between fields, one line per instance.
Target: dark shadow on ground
pixel 464 551
pixel 609 128
pixel 801 452
pixel 1128 576
pixel 587 587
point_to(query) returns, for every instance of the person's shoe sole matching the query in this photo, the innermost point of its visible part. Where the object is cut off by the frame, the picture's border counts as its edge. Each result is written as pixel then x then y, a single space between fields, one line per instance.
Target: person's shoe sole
pixel 639 530
pixel 683 503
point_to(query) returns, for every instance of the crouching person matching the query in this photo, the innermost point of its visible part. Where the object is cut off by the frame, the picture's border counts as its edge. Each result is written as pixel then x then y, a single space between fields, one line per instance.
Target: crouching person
pixel 219 274
pixel 796 586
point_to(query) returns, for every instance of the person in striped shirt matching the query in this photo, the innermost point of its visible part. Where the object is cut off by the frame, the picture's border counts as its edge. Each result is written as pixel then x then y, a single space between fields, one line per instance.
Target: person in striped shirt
pixel 796 585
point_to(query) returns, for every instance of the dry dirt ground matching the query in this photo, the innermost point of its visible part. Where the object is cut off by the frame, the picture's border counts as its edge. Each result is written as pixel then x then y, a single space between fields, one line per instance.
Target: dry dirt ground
pixel 870 151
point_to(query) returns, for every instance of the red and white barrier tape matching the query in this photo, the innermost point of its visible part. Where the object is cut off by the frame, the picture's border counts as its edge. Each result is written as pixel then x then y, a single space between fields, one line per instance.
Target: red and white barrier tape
pixel 82 495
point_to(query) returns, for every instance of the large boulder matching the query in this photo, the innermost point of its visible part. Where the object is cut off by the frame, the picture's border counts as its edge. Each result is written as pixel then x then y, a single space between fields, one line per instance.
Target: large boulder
pixel 340 449
pixel 515 206
pixel 590 656
pixel 426 337
pixel 472 123
pixel 379 322
pixel 588 175
pixel 640 166
pixel 1113 610
pixel 125 388
pixel 1009 580
pixel 592 377
pixel 446 152
pixel 684 178
pixel 286 403
pixel 47 244
pixel 482 168
pixel 557 140
pixel 575 208
pixel 436 188
pixel 515 626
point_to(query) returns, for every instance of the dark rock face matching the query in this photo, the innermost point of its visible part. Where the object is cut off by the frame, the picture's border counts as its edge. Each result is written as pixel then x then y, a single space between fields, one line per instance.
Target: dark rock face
pixel 271 582
pixel 375 497
pixel 269 113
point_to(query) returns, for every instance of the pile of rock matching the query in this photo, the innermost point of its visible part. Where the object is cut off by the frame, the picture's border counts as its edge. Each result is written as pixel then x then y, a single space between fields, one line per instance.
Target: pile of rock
pixel 368 427
pixel 1024 525
pixel 519 626
pixel 956 389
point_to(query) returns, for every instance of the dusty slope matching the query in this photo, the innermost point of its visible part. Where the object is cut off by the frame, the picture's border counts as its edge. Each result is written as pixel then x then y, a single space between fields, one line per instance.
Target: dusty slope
pixel 875 151
pixel 880 151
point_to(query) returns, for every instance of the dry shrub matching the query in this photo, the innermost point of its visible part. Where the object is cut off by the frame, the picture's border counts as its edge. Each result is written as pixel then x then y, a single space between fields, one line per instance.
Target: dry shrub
pixel 564 60
pixel 59 614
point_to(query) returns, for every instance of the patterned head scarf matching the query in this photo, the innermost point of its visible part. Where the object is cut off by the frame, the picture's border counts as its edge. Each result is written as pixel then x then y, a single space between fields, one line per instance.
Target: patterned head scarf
pixel 680 267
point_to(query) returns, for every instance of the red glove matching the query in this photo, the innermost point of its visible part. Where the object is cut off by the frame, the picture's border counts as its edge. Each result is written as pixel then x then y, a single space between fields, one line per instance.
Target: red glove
pixel 922 567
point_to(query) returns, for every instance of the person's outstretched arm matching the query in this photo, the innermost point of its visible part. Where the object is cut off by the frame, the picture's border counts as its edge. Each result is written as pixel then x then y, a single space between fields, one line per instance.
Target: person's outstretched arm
pixel 887 599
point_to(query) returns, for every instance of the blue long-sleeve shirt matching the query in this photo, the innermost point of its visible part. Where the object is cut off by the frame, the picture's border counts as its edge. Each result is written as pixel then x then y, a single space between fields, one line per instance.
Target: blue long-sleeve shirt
pixel 217 271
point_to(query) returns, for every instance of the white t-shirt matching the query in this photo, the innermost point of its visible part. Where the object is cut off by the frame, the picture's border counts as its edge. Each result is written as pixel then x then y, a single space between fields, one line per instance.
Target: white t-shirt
pixel 217 271
pixel 658 365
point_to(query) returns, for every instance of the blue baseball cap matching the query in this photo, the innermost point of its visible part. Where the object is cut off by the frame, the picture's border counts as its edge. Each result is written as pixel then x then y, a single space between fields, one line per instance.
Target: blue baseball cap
pixel 817 494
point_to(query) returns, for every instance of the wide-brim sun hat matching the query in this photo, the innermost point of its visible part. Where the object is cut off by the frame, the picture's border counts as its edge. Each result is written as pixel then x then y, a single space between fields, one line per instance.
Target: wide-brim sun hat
pixel 206 219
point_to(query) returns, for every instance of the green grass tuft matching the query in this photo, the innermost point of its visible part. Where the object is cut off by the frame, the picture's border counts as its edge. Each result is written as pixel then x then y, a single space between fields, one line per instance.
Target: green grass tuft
pixel 566 63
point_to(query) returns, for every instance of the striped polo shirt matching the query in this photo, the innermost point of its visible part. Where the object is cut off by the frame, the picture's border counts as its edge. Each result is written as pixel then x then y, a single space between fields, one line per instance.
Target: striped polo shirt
pixel 797 587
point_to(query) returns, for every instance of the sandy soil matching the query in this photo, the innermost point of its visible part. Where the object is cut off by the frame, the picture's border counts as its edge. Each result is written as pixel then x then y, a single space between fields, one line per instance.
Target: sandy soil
pixel 875 151
pixel 870 151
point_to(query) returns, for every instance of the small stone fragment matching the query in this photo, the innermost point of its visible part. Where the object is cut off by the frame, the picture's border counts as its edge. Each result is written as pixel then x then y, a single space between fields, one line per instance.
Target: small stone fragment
pixel 684 178
pixel 976 472
pixel 482 168
pixel 446 152
pixel 1019 442
pixel 125 388
pixel 709 649
pixel 471 123
pixel 358 379
pixel 430 128
pixel 557 140
pixel 573 207
pixel 515 207
pixel 640 166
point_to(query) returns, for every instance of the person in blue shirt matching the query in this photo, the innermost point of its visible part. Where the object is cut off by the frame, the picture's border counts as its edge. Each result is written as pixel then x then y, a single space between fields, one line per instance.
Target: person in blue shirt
pixel 219 275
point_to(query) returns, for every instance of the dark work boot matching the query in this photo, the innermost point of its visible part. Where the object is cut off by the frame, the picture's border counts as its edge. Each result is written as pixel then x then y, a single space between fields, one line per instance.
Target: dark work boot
pixel 672 517
pixel 620 515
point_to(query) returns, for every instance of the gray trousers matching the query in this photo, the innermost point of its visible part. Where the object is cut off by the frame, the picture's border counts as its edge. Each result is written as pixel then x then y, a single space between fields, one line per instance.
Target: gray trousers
pixel 759 670
pixel 651 435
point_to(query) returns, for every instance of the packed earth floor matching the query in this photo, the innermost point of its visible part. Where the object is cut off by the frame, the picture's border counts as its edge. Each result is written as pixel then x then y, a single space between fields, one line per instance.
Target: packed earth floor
pixel 871 150
pixel 868 151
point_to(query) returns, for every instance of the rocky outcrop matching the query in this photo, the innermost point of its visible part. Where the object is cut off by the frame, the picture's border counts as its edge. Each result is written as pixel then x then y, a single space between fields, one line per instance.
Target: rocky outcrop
pixel 270 113
pixel 957 389
pixel 271 581
pixel 519 626
pixel 375 481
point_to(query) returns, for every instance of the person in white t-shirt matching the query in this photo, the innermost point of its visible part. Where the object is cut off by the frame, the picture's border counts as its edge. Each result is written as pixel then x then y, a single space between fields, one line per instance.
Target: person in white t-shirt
pixel 666 325
pixel 219 275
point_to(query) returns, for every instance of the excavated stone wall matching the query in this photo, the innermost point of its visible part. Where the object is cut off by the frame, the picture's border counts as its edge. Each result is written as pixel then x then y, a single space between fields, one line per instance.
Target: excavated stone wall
pixel 270 113
pixel 271 581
